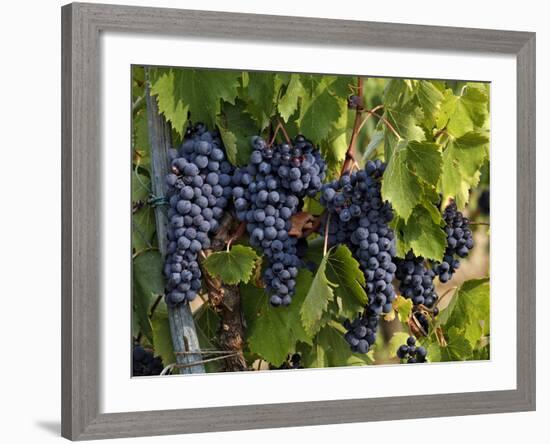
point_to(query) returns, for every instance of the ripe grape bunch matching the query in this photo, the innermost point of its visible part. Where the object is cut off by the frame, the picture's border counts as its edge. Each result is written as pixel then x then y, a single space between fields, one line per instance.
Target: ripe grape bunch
pixel 416 280
pixel 359 218
pixel 412 353
pixel 198 190
pixel 361 332
pixel 267 193
pixel 144 363
pixel 459 242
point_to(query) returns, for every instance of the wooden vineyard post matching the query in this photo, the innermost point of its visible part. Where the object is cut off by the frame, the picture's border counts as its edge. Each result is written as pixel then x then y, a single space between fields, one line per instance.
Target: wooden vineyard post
pixel 182 325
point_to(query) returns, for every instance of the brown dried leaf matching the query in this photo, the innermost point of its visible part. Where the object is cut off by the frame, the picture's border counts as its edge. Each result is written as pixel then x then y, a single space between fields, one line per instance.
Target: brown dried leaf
pixel 300 222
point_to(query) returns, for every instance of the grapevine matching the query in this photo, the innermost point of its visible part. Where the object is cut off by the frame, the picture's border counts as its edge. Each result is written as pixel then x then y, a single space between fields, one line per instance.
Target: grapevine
pixel 312 220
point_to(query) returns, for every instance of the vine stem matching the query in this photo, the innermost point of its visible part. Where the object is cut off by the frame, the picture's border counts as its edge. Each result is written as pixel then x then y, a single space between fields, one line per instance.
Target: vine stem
pixel 283 129
pixel 385 121
pixel 275 132
pixel 480 223
pixel 350 153
pixel 280 127
pixel 370 113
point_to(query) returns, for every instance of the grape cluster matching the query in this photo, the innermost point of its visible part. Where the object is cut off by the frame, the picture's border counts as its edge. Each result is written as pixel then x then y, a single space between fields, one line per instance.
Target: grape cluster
pixel 199 186
pixel 359 218
pixel 144 363
pixel 416 280
pixel 411 352
pixel 459 242
pixel 361 332
pixel 267 193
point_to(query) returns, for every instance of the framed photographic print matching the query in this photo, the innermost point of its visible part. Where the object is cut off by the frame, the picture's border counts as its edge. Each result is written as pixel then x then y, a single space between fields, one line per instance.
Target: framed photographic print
pixel 279 221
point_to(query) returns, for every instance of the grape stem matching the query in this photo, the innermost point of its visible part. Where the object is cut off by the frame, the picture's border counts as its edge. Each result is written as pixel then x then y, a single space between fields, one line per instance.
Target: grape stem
pixel 236 235
pixel 480 223
pixel 370 113
pixel 279 121
pixel 280 127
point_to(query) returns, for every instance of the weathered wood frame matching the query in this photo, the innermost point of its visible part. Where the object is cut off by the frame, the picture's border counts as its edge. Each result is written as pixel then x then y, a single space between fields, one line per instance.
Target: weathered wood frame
pixel 82 24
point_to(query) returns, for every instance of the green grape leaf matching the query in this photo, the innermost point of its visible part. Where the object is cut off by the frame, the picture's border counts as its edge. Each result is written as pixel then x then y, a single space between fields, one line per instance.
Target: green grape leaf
pixel 260 97
pixel 141 187
pixel 320 293
pixel 334 147
pixel 395 89
pixel 401 247
pixel 162 338
pixel 288 103
pixel 463 159
pixel 233 266
pixel 313 84
pixel 344 271
pixel 457 349
pixel 197 91
pixel 318 114
pixel 341 86
pixel 464 113
pixel 424 159
pixel 406 121
pixel 265 324
pixel 425 237
pixel 313 206
pixel 401 186
pixel 403 307
pixel 143 219
pixel 469 309
pixel 143 228
pixel 147 284
pixel 376 140
pixel 236 128
pixel 208 321
pixel 140 139
pixel 430 98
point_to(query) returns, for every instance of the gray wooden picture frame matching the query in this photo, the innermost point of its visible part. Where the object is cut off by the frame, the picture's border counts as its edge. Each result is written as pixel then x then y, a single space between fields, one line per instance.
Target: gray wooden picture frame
pixel 81 231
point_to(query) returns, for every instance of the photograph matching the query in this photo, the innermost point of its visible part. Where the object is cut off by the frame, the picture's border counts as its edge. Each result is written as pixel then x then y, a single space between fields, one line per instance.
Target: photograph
pixel 303 221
